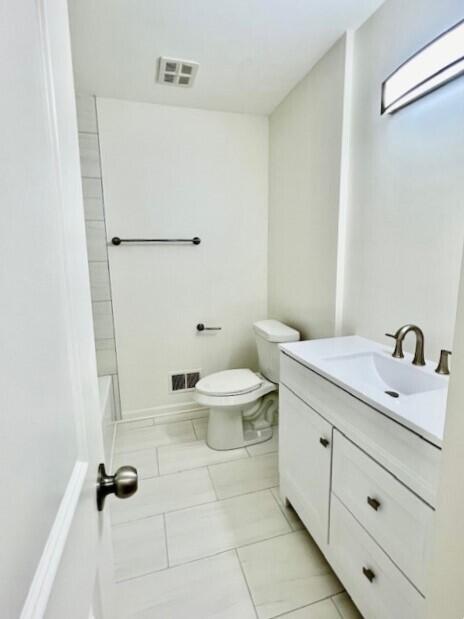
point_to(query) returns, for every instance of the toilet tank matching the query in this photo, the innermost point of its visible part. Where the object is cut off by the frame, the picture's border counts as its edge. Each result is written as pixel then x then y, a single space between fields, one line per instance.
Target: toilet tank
pixel 269 334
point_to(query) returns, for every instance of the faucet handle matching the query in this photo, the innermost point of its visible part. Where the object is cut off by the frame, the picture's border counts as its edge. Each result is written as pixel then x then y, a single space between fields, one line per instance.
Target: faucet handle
pixel 443 364
pixel 391 335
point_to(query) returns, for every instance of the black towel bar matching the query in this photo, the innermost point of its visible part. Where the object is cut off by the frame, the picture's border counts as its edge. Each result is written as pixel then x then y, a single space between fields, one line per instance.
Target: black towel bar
pixel 117 241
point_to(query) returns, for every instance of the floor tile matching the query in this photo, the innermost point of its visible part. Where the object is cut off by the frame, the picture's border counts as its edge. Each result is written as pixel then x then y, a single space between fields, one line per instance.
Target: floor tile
pixel 286 573
pixel 209 529
pixel 154 435
pixel 139 547
pixel 201 427
pixel 267 447
pixel 345 606
pixel 288 511
pixel 319 610
pixel 191 455
pixel 212 587
pixel 162 494
pixel 247 475
pixel 144 460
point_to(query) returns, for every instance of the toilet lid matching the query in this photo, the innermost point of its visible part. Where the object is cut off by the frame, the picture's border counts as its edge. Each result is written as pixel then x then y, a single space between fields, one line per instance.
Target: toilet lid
pixel 229 382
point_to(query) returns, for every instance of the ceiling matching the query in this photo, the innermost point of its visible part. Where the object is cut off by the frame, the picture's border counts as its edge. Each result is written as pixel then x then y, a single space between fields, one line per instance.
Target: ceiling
pixel 251 52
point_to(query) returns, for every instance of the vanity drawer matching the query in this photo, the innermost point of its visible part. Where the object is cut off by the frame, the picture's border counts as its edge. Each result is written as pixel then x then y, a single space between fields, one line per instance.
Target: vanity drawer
pixel 395 517
pixel 410 458
pixel 376 585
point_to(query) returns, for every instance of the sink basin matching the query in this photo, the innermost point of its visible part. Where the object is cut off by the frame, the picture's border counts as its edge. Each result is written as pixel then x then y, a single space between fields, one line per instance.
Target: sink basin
pixel 389 375
pixel 414 396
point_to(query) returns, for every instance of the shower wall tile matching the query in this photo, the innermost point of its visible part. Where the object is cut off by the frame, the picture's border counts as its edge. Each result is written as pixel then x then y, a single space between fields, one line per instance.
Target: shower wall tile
pixel 117 396
pixel 93 199
pixel 93 208
pixel 90 155
pixel 103 320
pixel 92 188
pixel 96 241
pixel 99 281
pixel 86 114
pixel 106 357
pixel 100 287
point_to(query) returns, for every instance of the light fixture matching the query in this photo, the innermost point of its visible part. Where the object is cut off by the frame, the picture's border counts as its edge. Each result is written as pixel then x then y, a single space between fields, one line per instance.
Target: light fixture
pixel 439 62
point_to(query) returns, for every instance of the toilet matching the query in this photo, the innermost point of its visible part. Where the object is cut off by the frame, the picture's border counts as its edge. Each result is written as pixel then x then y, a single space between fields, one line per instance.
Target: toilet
pixel 242 403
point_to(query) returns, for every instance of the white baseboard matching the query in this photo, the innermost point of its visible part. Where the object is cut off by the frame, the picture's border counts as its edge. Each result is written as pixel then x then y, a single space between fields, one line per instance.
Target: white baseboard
pixel 165 414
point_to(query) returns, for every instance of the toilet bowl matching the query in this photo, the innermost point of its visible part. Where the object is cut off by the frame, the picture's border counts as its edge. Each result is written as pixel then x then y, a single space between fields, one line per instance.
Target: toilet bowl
pixel 242 403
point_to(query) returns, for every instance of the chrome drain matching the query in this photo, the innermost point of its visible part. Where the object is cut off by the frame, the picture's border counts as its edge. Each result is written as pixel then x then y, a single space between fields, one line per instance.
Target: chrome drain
pixel 393 394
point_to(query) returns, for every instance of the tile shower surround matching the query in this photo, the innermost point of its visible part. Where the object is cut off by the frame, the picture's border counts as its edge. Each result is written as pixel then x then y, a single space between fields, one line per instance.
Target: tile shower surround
pixel 102 308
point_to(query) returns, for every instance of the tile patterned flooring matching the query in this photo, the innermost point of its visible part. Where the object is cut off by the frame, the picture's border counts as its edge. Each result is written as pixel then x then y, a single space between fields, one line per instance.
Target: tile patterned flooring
pixel 208 536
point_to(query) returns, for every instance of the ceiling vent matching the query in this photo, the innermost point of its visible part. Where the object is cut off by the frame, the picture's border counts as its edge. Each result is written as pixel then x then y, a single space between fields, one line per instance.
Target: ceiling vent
pixel 175 72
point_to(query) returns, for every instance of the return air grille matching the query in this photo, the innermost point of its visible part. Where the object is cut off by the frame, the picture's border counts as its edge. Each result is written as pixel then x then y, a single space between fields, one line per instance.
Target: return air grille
pixel 178 382
pixel 184 381
pixel 192 379
pixel 176 72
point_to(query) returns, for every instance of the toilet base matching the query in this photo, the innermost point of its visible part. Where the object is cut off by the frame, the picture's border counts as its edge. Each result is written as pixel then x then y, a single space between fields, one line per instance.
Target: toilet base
pixel 228 430
pixel 253 436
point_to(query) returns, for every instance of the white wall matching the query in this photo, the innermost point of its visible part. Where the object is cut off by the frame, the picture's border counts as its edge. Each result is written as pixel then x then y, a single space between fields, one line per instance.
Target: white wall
pixel 179 172
pixel 304 171
pixel 406 220
pixel 446 597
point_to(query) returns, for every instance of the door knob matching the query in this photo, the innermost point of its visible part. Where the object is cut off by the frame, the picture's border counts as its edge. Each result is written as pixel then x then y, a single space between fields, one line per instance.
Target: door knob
pixel 123 484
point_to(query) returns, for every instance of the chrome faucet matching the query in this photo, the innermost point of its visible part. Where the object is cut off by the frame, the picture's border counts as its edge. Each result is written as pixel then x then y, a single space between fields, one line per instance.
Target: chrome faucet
pixel 399 337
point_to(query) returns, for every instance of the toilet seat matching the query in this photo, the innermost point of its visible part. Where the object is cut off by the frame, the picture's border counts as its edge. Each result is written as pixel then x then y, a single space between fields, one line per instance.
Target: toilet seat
pixel 233 400
pixel 229 383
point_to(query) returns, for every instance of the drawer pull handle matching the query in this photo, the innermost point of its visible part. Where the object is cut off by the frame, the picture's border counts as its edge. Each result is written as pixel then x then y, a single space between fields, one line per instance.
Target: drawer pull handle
pixel 324 441
pixel 374 503
pixel 369 574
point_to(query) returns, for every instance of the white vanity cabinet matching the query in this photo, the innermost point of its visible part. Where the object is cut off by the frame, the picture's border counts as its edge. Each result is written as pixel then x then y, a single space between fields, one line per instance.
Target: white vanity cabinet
pixel 305 465
pixel 363 485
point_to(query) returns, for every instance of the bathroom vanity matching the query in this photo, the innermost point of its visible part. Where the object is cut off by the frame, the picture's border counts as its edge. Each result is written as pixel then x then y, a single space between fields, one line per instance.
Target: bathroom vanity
pixel 360 445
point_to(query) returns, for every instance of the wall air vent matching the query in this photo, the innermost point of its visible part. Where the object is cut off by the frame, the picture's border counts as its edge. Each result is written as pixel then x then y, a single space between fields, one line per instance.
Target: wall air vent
pixel 176 72
pixel 183 381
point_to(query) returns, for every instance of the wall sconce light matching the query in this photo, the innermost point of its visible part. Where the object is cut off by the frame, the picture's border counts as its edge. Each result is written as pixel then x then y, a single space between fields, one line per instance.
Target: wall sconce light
pixel 439 62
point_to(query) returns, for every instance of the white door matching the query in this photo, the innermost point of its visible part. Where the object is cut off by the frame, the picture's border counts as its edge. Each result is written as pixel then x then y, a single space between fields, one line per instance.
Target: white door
pixel 53 539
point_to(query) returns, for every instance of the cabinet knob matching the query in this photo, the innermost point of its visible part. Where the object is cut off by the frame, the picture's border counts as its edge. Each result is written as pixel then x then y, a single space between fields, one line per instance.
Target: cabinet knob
pixel 369 574
pixel 324 441
pixel 374 503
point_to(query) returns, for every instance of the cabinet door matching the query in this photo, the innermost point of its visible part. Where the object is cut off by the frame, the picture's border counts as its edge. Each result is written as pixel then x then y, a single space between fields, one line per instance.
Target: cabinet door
pixel 305 461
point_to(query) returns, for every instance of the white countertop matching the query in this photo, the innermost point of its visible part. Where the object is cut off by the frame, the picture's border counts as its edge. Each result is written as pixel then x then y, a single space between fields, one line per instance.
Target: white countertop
pixel 423 413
